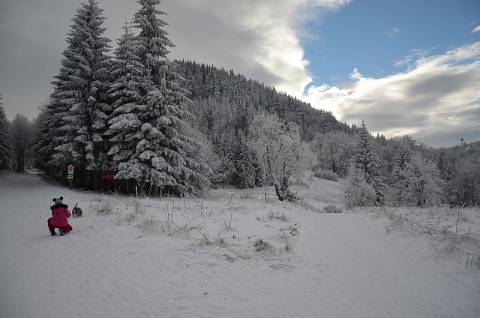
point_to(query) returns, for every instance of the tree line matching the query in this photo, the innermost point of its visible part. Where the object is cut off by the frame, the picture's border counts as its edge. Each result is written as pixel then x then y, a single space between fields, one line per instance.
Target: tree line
pixel 180 127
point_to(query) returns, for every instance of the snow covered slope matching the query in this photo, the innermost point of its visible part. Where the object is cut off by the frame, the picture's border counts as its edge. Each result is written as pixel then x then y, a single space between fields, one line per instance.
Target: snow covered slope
pixel 232 254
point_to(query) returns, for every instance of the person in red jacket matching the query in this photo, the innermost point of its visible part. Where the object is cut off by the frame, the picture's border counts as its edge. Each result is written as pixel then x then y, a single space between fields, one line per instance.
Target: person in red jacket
pixel 60 214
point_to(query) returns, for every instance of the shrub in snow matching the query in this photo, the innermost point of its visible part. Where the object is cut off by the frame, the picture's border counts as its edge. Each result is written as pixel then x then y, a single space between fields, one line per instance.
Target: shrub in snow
pixel 359 193
pixel 263 246
pixel 282 217
pixel 326 174
pixel 106 208
pixel 331 208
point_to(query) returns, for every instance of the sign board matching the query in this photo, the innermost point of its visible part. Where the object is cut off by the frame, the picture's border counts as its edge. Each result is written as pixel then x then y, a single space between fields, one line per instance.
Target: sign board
pixel 70 169
pixel 69 176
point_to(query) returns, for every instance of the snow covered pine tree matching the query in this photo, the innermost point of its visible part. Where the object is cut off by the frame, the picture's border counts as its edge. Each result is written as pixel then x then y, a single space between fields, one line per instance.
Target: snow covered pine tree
pixel 79 108
pixel 162 160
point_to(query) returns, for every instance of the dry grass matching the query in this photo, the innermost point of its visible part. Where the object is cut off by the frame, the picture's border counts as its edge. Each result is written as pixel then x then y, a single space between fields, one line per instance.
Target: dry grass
pixel 263 246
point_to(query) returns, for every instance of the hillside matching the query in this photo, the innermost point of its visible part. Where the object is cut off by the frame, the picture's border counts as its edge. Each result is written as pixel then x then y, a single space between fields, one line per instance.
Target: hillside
pixel 170 257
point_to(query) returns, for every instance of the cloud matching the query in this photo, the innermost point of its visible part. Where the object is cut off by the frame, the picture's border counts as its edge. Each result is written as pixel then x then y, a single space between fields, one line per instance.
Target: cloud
pixel 257 38
pixel 436 97
pixel 476 29
pixel 393 32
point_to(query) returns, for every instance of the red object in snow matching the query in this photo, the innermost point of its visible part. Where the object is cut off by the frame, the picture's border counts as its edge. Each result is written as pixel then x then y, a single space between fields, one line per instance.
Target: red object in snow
pixel 106 179
pixel 108 175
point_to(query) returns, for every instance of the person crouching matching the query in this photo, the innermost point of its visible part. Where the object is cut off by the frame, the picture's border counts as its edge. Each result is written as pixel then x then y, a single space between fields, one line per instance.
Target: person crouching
pixel 60 214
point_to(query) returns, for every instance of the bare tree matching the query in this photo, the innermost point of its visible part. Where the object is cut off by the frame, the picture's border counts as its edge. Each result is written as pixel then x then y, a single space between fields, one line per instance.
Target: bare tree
pixel 280 152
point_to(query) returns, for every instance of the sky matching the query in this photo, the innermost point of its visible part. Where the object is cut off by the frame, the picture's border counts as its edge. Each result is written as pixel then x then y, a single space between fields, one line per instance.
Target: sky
pixel 403 66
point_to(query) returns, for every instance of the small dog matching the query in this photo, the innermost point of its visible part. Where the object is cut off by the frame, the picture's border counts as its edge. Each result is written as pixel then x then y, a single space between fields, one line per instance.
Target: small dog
pixel 77 212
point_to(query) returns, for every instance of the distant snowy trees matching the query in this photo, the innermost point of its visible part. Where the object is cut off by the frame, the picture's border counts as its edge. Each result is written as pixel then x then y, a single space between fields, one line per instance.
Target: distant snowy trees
pixel 5 147
pixel 21 138
pixel 418 183
pixel 177 127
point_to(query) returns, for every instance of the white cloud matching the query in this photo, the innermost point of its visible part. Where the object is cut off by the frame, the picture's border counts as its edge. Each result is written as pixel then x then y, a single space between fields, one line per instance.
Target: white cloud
pixel 437 97
pixel 393 32
pixel 259 39
pixel 476 29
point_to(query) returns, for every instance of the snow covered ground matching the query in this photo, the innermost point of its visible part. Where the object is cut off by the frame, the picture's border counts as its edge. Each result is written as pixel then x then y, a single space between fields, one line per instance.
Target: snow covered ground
pixel 232 254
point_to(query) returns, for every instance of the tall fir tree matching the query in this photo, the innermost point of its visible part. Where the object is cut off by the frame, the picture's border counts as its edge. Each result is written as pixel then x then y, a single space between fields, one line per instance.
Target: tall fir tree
pixel 366 161
pixel 163 159
pixel 5 147
pixel 244 165
pixel 401 158
pixel 128 92
pixel 79 105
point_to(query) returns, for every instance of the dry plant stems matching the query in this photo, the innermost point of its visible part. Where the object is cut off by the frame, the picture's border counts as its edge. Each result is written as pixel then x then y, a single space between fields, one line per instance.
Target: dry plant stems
pixel 458 217
pixel 455 243
pixel 105 209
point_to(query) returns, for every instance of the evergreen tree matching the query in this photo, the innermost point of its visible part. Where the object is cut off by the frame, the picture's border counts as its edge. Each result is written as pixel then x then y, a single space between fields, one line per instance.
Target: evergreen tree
pixel 42 144
pixel 5 147
pixel 154 39
pixel 401 158
pixel 358 193
pixel 128 93
pixel 419 183
pixel 366 161
pixel 163 160
pixel 80 103
pixel 244 165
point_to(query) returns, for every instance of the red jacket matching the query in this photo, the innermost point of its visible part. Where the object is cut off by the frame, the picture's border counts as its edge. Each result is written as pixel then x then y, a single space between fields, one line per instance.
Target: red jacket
pixel 60 213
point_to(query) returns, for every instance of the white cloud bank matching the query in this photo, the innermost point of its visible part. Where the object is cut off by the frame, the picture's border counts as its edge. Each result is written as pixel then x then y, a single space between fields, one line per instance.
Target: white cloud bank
pixel 257 38
pixel 436 100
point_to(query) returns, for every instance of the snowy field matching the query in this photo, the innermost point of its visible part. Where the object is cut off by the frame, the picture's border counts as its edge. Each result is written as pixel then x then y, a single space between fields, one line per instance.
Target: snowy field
pixel 233 254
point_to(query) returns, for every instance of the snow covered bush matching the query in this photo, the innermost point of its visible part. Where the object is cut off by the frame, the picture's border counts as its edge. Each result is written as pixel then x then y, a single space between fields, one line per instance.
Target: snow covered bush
pixel 106 208
pixel 359 193
pixel 326 174
pixel 331 208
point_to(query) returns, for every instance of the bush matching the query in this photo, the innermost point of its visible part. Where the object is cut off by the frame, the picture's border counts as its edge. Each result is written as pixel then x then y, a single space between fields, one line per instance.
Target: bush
pixel 331 208
pixel 326 174
pixel 359 193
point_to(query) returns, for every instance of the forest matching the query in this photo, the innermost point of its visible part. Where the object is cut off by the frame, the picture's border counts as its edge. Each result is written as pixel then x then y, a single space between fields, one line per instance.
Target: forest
pixel 176 127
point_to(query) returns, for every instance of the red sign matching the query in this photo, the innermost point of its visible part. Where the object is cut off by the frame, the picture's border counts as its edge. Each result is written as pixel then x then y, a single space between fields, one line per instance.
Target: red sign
pixel 70 169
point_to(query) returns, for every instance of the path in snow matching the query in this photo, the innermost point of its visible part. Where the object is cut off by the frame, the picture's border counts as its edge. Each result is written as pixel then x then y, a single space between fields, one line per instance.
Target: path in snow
pixel 342 265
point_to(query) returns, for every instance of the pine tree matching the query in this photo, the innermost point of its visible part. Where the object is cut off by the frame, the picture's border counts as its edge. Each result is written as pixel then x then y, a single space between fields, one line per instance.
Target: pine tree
pixel 80 102
pixel 5 147
pixel 154 39
pixel 244 165
pixel 366 161
pixel 42 143
pixel 128 93
pixel 419 183
pixel 163 160
pixel 401 158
